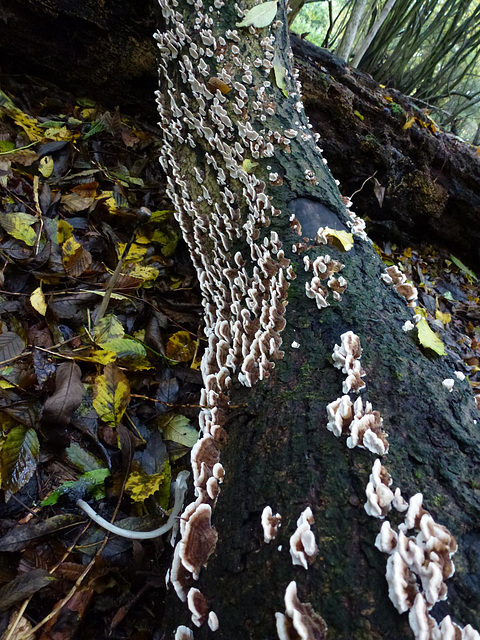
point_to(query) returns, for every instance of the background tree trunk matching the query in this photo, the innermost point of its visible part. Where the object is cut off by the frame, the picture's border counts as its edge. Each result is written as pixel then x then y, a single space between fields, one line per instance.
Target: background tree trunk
pixel 105 51
pixel 351 30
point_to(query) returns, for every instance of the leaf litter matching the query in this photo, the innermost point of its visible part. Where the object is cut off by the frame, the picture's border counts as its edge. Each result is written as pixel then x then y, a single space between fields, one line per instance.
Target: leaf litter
pixel 95 403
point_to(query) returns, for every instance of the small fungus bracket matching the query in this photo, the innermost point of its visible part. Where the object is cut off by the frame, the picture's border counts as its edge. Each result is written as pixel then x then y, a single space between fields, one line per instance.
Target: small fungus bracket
pixel 313 214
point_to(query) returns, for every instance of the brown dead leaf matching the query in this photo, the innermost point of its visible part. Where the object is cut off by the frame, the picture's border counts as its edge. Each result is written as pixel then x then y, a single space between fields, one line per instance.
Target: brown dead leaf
pixel 68 395
pixel 23 587
pixel 75 202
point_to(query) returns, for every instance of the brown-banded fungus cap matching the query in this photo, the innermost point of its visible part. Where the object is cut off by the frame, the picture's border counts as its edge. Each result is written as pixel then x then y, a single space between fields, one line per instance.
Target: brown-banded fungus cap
pixel 300 621
pixel 303 548
pixel 198 606
pixel 271 524
pixel 340 415
pixel 199 540
pixel 402 585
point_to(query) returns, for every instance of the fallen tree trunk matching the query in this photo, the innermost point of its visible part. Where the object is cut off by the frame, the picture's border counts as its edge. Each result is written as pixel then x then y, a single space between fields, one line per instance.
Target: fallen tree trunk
pixel 429 181
pixel 282 279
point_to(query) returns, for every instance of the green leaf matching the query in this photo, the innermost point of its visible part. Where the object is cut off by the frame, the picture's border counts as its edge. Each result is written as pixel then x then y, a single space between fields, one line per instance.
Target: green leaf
pixel 109 328
pixel 177 428
pixel 19 226
pixel 92 482
pixel 429 339
pixel 82 459
pixel 125 348
pixel 260 16
pixel 111 395
pixel 18 458
pixel 280 72
pixel 462 267
pixel 11 345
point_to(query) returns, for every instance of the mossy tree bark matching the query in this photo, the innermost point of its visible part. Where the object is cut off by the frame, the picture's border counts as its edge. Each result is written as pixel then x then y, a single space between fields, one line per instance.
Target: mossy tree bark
pixel 244 173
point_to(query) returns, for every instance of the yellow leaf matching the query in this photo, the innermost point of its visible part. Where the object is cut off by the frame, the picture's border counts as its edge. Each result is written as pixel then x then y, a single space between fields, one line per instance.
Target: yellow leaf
pixel 135 253
pixel 388 98
pixel 429 339
pixel 249 165
pixel 409 123
pixel 181 346
pixel 99 356
pixel 59 133
pixel 342 238
pixel 109 328
pixel 64 231
pixel 144 273
pixel 215 84
pixel 141 486
pixel 111 395
pixel 407 253
pixel 45 166
pixel 87 114
pixel 444 318
pixel 75 258
pixel 19 226
pixel 37 300
pixel 28 124
pixel 359 115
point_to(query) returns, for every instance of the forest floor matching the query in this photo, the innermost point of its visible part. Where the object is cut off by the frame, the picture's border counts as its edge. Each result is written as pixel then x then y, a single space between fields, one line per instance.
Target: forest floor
pixel 99 401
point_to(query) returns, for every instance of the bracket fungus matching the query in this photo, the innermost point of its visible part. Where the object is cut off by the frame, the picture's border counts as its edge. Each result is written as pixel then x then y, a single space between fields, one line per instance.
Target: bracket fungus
pixel 271 524
pixel 303 547
pixel 299 621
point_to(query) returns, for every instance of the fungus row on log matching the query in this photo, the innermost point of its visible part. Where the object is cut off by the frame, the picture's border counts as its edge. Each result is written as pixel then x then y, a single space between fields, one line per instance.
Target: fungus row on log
pixel 418 565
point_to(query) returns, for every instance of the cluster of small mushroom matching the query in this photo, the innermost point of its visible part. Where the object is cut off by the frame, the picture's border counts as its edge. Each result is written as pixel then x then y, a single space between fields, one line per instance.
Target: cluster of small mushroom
pixel 324 269
pixel 354 222
pixel 417 568
pixel 380 498
pixel 362 425
pixel 299 621
pixel 303 547
pixel 406 289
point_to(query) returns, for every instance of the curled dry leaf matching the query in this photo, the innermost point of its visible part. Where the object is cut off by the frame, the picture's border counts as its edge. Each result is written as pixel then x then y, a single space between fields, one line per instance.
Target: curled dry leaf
pixel 68 395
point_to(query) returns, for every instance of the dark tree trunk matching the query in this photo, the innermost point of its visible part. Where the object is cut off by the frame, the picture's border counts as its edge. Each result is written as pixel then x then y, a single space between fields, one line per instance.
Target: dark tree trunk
pixel 278 451
pixel 242 223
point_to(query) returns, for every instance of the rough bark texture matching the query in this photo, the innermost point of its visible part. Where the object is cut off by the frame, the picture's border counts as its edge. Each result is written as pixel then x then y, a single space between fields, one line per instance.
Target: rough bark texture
pixel 278 451
pixel 105 51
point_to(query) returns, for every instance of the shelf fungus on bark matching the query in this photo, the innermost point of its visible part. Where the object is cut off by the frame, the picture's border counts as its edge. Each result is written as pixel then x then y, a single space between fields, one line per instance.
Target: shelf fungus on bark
pixel 300 621
pixel 406 289
pixel 198 540
pixel 198 606
pixel 379 494
pixel 271 524
pixel 183 633
pixel 303 547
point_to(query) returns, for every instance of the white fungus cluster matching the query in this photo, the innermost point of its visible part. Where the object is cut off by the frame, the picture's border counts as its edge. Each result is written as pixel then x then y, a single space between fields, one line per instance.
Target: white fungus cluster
pixel 362 425
pixel 303 547
pixel 324 269
pixel 421 550
pixel 406 289
pixel 420 560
